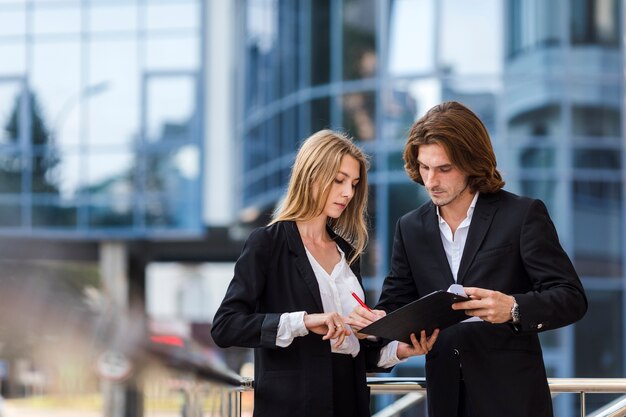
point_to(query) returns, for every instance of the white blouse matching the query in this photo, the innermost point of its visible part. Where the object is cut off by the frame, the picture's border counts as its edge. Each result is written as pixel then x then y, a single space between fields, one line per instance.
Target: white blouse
pixel 336 293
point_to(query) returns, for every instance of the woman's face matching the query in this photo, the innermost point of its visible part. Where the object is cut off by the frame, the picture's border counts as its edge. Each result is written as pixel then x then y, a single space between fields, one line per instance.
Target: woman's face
pixel 343 186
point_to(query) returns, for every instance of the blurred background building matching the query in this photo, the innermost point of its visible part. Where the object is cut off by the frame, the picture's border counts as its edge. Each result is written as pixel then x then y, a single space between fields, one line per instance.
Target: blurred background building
pixel 141 140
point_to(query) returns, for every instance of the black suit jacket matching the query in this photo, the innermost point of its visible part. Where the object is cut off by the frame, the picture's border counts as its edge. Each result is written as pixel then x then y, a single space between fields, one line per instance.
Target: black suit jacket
pixel 273 276
pixel 512 247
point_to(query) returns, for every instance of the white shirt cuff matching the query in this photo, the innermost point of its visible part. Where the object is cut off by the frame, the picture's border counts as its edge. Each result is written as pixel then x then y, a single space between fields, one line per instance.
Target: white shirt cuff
pixel 388 356
pixel 291 325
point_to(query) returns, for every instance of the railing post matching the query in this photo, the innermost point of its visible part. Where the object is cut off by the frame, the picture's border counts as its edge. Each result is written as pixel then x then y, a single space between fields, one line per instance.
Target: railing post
pixel 583 408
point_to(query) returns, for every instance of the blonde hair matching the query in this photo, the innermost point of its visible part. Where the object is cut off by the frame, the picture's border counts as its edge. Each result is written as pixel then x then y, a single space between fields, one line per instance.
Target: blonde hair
pixel 314 170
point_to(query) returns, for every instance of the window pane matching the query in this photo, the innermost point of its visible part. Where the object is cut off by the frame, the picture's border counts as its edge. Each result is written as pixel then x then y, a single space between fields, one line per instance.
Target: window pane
pixel 44 170
pixel 9 113
pixel 175 172
pixel 533 25
pixel 603 324
pixel 171 109
pixel 112 18
pixel 13 22
pixel 320 43
pixel 54 215
pixel 107 213
pixel 56 20
pixel 598 212
pixel 536 157
pixel 400 111
pixel 11 168
pixel 57 89
pixel 535 122
pixel 359 39
pixel 110 174
pixel 320 114
pixel 182 52
pixel 596 121
pixel 13 58
pixel 10 214
pixel 359 115
pixel 409 100
pixel 411 36
pixel 541 188
pixel 595 22
pixel 468 24
pixel 180 15
pixel 113 98
pixel 598 159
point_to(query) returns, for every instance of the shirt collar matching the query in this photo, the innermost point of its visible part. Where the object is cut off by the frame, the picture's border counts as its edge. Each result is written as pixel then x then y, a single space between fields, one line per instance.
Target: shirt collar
pixel 470 209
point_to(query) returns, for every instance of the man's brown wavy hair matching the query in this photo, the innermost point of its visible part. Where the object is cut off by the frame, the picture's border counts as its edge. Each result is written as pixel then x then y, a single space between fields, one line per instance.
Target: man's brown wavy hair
pixel 466 142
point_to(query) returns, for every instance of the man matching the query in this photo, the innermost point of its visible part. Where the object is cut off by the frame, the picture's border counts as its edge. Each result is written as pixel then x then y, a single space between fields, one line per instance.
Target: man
pixel 503 249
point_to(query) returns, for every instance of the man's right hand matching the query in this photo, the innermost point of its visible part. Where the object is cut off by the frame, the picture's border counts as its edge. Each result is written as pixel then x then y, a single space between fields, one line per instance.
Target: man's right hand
pixel 361 317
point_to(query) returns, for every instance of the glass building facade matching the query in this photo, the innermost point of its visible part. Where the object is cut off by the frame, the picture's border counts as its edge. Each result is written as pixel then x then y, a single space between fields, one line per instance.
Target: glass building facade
pixel 100 134
pixel 546 77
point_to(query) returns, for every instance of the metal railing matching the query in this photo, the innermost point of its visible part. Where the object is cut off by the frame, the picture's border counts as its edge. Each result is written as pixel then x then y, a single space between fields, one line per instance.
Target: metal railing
pixel 580 386
pixel 202 373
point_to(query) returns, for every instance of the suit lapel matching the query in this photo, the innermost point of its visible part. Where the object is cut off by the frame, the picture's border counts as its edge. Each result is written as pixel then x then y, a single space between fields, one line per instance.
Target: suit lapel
pixel 481 221
pixel 433 236
pixel 302 262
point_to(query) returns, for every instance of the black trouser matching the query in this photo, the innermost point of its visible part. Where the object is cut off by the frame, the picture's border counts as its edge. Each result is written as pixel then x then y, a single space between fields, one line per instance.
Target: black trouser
pixel 344 392
pixel 464 409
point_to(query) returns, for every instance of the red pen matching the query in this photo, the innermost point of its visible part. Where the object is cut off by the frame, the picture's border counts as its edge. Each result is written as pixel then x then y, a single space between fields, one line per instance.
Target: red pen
pixel 356 297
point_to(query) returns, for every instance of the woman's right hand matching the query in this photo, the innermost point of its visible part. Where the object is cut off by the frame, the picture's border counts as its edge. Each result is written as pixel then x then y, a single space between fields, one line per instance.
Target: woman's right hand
pixel 330 325
pixel 361 317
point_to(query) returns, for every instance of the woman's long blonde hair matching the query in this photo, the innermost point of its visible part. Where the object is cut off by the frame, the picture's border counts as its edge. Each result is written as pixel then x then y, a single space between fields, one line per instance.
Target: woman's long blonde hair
pixel 312 175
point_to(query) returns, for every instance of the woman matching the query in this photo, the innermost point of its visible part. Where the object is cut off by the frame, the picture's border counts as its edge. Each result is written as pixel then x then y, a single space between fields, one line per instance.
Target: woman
pixel 293 284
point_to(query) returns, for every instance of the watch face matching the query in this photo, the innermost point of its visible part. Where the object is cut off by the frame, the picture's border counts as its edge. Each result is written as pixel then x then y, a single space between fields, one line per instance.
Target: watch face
pixel 515 313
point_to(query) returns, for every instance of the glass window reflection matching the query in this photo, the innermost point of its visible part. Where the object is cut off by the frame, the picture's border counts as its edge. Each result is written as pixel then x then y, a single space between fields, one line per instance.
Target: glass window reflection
pixel 12 22
pixel 11 168
pixel 359 39
pixel 54 214
pixel 56 20
pixel 597 206
pixel 57 88
pixel 108 17
pixel 160 52
pixel 411 36
pixel 113 102
pixel 171 108
pixel 182 14
pixel 110 175
pixel 13 59
pixel 597 121
pixel 470 38
pixel 320 43
pixel 173 172
pixel 9 112
pixel 10 213
pixel 359 115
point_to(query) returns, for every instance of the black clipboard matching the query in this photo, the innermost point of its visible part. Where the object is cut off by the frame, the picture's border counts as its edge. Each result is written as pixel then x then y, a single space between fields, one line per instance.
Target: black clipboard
pixel 433 311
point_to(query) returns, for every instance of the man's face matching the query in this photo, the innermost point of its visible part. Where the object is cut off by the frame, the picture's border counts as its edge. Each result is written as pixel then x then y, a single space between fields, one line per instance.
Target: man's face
pixel 444 182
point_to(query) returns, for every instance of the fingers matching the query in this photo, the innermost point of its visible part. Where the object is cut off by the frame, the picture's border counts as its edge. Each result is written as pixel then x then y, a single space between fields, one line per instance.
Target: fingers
pixel 337 329
pixel 360 317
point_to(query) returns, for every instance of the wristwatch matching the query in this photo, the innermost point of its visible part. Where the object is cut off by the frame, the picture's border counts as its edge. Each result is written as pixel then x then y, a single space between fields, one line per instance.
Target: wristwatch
pixel 515 316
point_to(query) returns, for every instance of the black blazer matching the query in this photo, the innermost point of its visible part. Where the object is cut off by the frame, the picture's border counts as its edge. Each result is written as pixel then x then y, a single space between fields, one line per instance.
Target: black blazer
pixel 512 247
pixel 273 276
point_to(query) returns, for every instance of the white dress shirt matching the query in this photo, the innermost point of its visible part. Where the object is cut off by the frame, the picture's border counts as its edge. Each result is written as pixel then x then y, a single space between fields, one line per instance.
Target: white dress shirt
pixel 454 244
